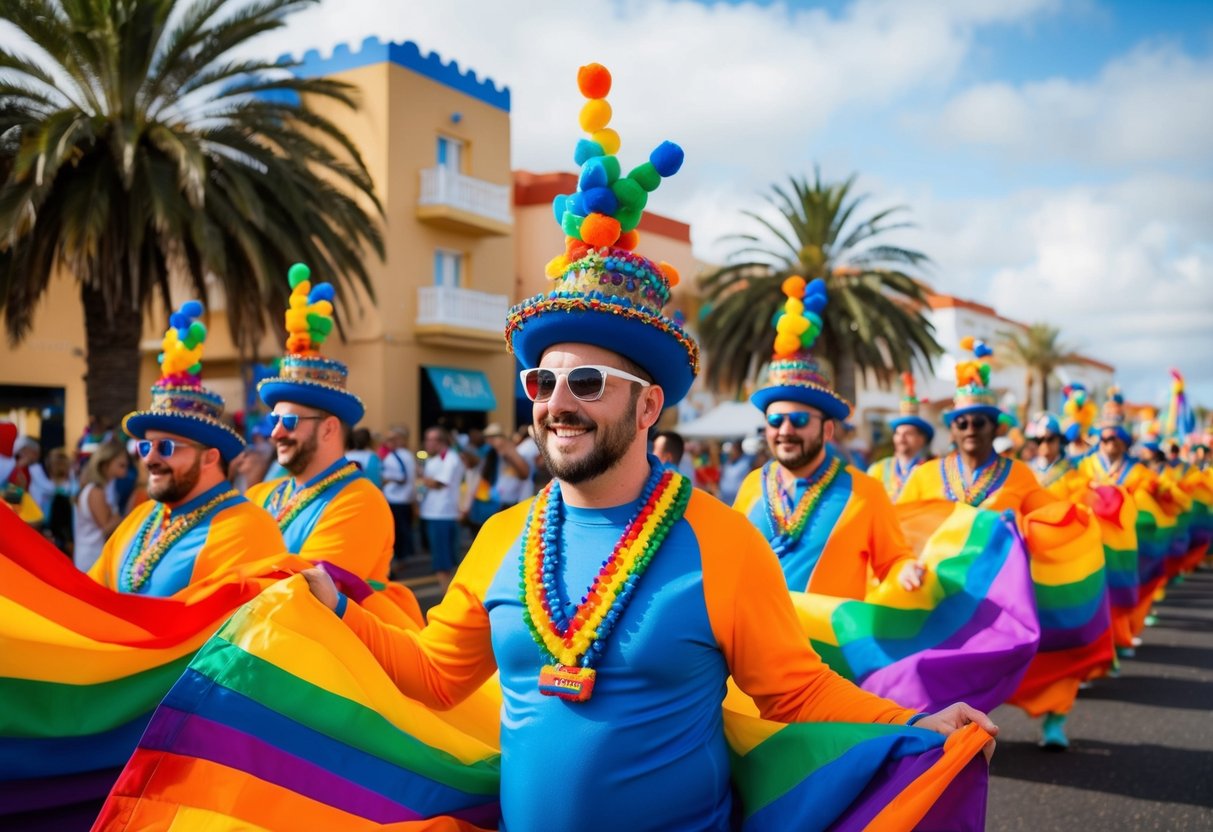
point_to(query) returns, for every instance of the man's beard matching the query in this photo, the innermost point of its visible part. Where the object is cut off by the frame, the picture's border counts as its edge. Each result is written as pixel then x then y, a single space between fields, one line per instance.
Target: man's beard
pixel 792 459
pixel 176 490
pixel 299 454
pixel 611 445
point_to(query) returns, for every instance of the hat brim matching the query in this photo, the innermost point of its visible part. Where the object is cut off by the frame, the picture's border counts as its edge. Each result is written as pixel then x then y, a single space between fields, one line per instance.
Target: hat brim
pixel 828 402
pixel 915 422
pixel 204 431
pixel 633 334
pixel 341 403
pixel 972 410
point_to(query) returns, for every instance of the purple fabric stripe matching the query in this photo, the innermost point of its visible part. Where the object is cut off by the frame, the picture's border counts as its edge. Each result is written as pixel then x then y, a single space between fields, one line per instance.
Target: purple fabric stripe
pixel 1078 636
pixel 189 735
pixel 963 803
pixel 984 661
pixel 49 792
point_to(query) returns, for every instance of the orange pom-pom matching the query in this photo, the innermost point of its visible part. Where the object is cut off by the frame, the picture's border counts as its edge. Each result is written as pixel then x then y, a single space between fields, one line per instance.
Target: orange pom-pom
pixel 967 342
pixel 793 287
pixel 671 274
pixel 786 344
pixel 594 81
pixel 599 230
pixel 628 240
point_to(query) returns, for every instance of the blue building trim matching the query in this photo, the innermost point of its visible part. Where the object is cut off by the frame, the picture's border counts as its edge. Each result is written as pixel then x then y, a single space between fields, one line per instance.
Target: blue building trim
pixel 407 55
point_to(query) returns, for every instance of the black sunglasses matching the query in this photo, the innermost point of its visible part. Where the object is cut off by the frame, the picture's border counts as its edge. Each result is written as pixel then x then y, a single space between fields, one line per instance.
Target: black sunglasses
pixel 289 421
pixel 963 422
pixel 164 447
pixel 1111 437
pixel 799 419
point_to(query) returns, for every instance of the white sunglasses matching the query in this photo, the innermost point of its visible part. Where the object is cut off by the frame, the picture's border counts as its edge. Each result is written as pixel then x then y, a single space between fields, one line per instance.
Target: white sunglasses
pixel 586 382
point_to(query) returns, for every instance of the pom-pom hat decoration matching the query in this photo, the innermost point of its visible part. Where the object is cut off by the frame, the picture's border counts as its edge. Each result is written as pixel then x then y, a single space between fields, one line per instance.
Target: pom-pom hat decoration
pixel 180 404
pixel 603 292
pixel 793 374
pixel 1113 417
pixel 304 375
pixel 1149 429
pixel 1042 426
pixel 909 410
pixel 973 393
pixel 1078 413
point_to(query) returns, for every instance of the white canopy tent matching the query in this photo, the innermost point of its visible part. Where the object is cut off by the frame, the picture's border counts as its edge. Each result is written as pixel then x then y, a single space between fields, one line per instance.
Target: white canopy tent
pixel 727 420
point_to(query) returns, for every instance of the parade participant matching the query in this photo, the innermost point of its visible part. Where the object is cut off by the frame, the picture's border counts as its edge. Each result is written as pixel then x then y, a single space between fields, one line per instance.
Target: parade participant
pixel 1079 413
pixel 974 473
pixel 195 525
pixel 326 508
pixel 688 594
pixel 832 526
pixel 912 437
pixel 1053 469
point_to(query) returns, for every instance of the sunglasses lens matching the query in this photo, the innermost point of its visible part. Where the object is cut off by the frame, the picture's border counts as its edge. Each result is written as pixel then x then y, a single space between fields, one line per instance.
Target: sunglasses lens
pixel 144 447
pixel 540 384
pixel 799 419
pixel 165 447
pixel 586 383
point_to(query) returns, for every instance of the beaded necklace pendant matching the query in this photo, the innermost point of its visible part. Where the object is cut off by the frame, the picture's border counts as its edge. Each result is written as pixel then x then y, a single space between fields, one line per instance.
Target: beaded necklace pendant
pixel 573 645
pixel 156 538
pixel 958 491
pixel 789 521
pixel 304 497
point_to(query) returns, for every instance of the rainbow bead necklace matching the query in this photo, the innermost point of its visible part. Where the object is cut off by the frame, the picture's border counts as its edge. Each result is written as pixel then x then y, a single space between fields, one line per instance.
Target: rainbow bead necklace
pixel 304 497
pixel 572 646
pixel 789 523
pixel 138 570
pixel 1110 474
pixel 895 478
pixel 1056 469
pixel 987 481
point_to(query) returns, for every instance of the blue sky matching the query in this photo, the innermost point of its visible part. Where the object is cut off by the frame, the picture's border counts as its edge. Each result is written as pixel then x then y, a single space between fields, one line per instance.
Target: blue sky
pixel 1055 154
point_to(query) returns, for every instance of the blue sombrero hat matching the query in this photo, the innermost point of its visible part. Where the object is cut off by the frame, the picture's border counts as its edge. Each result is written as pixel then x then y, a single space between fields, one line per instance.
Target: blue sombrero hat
pixel 909 410
pixel 794 375
pixel 973 393
pixel 605 293
pixel 1042 426
pixel 304 375
pixel 180 404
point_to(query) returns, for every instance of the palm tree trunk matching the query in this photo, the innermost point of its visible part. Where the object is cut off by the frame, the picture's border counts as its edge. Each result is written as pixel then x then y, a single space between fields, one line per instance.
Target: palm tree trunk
pixel 1044 392
pixel 112 379
pixel 844 375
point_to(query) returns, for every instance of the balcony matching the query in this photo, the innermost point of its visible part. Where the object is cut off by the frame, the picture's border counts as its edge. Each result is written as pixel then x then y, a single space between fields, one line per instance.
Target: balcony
pixel 455 202
pixel 460 318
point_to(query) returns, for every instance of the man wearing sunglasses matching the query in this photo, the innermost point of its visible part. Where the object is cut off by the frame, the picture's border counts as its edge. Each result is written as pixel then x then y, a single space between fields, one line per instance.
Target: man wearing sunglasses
pixel 195 526
pixel 1053 469
pixel 617 602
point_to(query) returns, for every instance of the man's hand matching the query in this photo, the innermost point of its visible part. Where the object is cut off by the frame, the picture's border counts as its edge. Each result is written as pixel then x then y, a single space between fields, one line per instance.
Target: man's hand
pixel 910 577
pixel 322 586
pixel 955 717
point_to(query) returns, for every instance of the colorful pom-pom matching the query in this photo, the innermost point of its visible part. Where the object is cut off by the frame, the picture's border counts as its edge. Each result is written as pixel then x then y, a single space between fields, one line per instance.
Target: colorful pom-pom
pixel 628 218
pixel 594 81
pixel 630 194
pixel 601 201
pixel 667 159
pixel 794 306
pixel 608 139
pixel 178 321
pixel 321 291
pixel 195 335
pixel 192 309
pixel 786 345
pixel 646 176
pixel 982 350
pixel 599 230
pixel 571 223
pixel 793 286
pixel 593 174
pixel 586 150
pixel 559 206
pixel 672 277
pixel 298 273
pixel 595 115
pixel 556 266
pixel 628 240
pixel 966 343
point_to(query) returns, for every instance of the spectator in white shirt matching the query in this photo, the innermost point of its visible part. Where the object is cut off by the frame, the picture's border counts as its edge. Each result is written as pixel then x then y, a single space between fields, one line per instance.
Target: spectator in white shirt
pixel 442 476
pixel 399 485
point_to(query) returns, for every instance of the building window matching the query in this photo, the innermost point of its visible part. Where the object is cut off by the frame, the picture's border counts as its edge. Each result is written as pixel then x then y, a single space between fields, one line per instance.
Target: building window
pixel 448 268
pixel 450 154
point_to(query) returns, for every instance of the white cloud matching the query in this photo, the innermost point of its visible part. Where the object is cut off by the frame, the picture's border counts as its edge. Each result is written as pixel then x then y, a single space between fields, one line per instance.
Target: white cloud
pixel 1153 105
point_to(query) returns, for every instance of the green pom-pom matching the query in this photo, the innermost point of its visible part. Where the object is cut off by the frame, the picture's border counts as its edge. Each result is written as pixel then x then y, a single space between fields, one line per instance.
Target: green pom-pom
pixel 984 371
pixel 629 194
pixel 808 338
pixel 195 369
pixel 611 165
pixel 628 218
pixel 298 274
pixel 319 323
pixel 646 176
pixel 571 223
pixel 195 335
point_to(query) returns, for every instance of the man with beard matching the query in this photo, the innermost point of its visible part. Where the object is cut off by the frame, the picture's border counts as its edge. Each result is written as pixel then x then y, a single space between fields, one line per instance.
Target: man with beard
pixel 832 526
pixel 618 695
pixel 195 526
pixel 327 509
pixel 912 437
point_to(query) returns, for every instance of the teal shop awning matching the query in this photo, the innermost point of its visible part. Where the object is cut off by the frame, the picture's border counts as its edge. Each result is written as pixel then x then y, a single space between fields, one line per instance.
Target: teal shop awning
pixel 462 389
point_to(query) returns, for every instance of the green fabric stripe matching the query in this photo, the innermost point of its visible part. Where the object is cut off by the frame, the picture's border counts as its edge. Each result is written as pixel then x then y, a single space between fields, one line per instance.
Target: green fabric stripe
pixel 1074 594
pixel 1121 560
pixel 788 756
pixel 338 717
pixel 54 709
pixel 833 656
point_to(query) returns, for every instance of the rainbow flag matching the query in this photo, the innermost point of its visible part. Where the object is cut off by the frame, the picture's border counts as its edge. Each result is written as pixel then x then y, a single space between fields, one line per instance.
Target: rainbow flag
pixel 1116 513
pixel 284 720
pixel 1072 604
pixel 968 634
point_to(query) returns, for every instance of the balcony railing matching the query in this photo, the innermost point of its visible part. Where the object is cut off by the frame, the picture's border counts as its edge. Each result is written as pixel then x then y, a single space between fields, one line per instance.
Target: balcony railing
pixel 441 186
pixel 462 308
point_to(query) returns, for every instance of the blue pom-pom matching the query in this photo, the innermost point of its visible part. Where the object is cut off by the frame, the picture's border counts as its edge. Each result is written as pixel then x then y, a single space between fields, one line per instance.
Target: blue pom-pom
pixel 178 320
pixel 815 304
pixel 587 149
pixel 816 286
pixel 192 309
pixel 601 201
pixel 559 204
pixel 576 205
pixel 593 175
pixel 981 349
pixel 321 291
pixel 667 158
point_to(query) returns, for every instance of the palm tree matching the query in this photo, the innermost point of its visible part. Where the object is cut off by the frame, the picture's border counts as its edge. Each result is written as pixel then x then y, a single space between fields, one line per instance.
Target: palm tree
pixel 1037 350
pixel 135 148
pixel 875 321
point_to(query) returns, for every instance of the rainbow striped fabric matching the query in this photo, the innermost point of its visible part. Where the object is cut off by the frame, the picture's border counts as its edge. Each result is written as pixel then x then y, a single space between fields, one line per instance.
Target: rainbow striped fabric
pixel 968 634
pixel 1116 513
